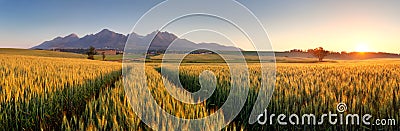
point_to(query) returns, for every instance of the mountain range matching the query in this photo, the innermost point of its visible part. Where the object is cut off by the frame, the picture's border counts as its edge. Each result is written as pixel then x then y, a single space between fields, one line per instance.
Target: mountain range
pixel 107 39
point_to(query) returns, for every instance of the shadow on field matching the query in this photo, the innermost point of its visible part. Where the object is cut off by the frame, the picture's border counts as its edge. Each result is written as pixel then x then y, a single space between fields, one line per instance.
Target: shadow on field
pixel 219 97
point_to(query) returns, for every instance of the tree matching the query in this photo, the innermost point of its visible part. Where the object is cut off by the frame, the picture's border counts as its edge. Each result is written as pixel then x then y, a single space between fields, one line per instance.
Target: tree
pixel 91 52
pixel 319 52
pixel 104 55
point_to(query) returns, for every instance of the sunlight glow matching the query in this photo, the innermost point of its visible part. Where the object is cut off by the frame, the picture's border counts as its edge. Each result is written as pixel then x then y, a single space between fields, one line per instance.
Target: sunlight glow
pixel 362 47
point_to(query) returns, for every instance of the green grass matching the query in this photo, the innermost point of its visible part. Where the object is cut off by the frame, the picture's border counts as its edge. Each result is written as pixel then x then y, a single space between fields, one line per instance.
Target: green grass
pixel 215 58
pixel 45 53
pixel 191 58
pixel 109 57
pixel 41 53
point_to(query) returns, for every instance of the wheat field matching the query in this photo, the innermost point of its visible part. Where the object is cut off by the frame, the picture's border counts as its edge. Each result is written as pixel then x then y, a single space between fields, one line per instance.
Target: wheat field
pixel 37 91
pixel 40 93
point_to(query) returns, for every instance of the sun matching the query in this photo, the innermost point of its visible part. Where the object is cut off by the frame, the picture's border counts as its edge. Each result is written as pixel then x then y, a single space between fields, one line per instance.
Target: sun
pixel 362 47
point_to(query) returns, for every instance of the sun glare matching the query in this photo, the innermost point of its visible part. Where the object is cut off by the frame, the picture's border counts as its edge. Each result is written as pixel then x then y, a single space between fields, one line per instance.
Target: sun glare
pixel 362 47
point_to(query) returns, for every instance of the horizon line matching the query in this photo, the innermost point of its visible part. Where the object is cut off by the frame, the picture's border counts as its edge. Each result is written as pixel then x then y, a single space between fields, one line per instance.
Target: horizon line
pixel 275 51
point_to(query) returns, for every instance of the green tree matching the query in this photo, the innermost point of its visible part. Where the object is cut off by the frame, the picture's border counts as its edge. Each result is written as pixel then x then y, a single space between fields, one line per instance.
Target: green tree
pixel 91 52
pixel 319 52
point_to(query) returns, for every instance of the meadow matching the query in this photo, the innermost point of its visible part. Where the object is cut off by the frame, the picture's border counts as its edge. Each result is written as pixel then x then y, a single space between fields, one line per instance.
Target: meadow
pixel 40 53
pixel 45 93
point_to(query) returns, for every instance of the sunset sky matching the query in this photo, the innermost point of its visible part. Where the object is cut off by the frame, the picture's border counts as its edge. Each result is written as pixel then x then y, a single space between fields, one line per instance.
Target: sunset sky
pixel 336 25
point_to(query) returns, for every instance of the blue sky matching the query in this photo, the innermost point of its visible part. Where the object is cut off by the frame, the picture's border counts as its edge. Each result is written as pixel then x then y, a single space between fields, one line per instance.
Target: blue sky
pixel 338 25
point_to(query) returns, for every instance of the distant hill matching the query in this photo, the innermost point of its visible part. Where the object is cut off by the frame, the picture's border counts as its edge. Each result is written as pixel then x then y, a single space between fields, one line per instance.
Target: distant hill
pixel 41 53
pixel 107 39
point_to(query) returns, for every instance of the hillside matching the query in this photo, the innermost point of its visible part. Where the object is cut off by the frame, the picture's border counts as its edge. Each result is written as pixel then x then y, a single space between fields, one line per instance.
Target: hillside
pixel 41 53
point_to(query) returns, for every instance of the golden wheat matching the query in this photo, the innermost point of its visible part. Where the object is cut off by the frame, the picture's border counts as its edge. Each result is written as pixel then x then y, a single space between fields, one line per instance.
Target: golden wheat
pixel 74 94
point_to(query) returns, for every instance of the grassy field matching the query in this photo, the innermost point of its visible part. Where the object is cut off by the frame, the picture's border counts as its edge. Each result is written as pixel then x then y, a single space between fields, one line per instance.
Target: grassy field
pixel 45 53
pixel 43 93
pixel 109 57
pixel 42 53
pixel 191 58
pixel 215 58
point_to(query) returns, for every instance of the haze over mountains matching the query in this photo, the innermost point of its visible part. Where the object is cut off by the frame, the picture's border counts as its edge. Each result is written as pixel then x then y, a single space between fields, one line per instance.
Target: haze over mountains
pixel 107 39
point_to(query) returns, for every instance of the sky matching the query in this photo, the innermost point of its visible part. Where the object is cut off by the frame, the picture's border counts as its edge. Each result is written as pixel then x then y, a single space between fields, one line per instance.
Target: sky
pixel 336 25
